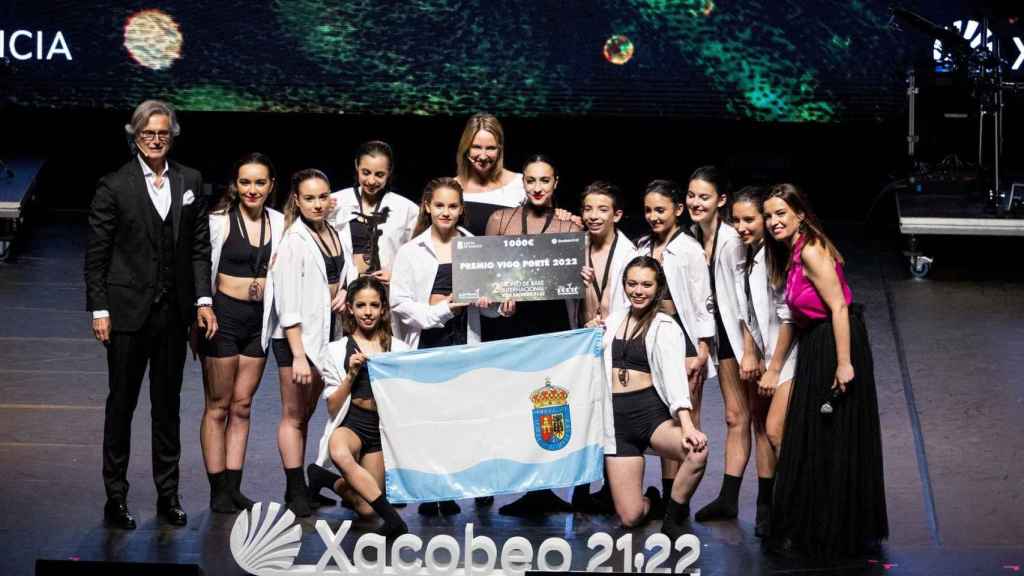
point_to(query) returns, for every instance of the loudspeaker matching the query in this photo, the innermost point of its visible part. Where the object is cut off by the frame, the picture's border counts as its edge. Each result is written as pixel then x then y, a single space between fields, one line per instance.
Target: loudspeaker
pixel 91 568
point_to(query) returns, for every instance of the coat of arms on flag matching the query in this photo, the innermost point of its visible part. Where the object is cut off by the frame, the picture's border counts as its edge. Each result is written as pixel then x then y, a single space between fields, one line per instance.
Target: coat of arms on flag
pixel 552 423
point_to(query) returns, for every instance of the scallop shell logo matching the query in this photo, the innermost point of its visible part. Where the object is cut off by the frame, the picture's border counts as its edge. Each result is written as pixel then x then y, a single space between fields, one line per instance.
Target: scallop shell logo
pixel 265 542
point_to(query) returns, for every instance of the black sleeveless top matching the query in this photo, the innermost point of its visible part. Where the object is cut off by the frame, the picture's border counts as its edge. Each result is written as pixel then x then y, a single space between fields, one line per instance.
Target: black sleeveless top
pixel 454 331
pixel 630 354
pixel 442 280
pixel 240 258
pixel 361 383
pixel 335 266
pixel 360 236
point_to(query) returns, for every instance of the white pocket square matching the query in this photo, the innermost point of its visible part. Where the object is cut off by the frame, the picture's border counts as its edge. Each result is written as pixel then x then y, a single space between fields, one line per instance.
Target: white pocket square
pixel 188 198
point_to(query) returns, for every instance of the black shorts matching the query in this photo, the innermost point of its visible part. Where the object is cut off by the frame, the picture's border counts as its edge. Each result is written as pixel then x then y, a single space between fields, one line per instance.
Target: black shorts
pixel 239 328
pixel 637 415
pixel 283 353
pixel 366 426
pixel 452 333
pixel 722 340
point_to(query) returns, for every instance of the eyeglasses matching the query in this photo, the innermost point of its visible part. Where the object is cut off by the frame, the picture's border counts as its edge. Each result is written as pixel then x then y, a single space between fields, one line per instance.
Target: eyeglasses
pixel 149 135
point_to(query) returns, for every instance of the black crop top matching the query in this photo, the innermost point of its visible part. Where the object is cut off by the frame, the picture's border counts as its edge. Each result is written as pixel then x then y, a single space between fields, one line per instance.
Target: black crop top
pixel 443 280
pixel 360 236
pixel 335 266
pixel 361 383
pixel 630 354
pixel 240 258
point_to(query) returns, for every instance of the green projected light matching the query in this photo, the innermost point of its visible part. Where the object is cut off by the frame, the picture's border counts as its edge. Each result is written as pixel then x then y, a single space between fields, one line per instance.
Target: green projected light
pixel 429 56
pixel 779 61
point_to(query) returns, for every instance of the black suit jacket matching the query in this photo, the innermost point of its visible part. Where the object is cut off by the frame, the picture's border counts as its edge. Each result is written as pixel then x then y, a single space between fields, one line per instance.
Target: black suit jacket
pixel 122 257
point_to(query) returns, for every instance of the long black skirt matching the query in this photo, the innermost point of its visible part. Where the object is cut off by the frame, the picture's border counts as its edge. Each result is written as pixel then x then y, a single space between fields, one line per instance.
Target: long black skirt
pixel 829 500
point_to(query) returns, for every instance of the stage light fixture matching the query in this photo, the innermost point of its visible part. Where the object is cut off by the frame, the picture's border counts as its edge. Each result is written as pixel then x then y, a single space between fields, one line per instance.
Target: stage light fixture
pixel 971 31
pixel 153 39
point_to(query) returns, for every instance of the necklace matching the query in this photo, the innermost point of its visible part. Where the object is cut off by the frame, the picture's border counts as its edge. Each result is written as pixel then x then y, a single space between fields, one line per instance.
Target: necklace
pixel 257 264
pixel 599 288
pixel 330 253
pixel 653 241
pixel 549 216
pixel 624 372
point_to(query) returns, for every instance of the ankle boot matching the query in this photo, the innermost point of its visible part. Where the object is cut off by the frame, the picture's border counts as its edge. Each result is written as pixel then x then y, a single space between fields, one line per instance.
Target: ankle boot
pixel 220 494
pixel 296 494
pixel 725 507
pixel 676 514
pixel 234 484
pixel 393 523
pixel 320 478
pixel 763 519
pixel 582 501
pixel 657 505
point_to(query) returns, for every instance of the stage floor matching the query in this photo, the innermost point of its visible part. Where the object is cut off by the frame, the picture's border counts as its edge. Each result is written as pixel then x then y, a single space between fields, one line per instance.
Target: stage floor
pixel 956 400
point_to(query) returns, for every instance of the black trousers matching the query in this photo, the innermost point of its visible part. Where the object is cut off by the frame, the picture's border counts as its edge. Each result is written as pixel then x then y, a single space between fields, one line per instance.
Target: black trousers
pixel 161 344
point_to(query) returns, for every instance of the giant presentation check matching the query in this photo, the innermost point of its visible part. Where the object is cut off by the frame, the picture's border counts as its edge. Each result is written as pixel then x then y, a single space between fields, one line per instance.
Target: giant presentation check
pixel 537 267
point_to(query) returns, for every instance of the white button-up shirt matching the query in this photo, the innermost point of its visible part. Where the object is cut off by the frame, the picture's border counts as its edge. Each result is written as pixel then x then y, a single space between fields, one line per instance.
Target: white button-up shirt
pixel 160 195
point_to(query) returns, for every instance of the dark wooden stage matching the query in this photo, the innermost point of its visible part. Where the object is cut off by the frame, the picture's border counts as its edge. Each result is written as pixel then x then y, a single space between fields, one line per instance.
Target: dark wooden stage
pixel 948 353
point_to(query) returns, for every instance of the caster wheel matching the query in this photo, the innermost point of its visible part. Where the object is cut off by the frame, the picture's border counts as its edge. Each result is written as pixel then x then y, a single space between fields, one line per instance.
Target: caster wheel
pixel 920 266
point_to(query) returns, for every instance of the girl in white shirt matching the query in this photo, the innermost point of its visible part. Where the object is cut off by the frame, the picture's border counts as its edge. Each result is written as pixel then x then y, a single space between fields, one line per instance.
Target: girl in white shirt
pixel 369 208
pixel 769 350
pixel 707 200
pixel 423 310
pixel 244 235
pixel 309 273
pixel 352 440
pixel 650 401
pixel 688 295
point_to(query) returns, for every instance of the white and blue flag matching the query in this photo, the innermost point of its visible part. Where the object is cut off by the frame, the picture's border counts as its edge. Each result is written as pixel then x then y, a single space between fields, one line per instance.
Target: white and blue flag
pixel 495 418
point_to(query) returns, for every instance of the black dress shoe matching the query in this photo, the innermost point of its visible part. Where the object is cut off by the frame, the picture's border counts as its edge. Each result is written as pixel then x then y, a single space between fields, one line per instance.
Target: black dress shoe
pixel 169 510
pixel 116 515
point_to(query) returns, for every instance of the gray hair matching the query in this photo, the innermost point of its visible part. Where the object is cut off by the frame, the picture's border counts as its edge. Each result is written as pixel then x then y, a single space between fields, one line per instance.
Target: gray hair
pixel 140 117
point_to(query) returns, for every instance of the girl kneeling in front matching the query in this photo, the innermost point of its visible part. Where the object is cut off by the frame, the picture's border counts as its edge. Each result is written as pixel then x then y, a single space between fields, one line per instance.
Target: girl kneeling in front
pixel 352 438
pixel 643 356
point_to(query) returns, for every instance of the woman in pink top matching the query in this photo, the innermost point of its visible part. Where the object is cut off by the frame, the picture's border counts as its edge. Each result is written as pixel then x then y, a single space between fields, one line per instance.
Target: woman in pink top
pixel 829 492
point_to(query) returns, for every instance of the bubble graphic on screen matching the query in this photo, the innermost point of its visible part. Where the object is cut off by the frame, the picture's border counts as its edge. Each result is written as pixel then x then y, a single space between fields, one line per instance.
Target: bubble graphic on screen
pixel 618 49
pixel 153 39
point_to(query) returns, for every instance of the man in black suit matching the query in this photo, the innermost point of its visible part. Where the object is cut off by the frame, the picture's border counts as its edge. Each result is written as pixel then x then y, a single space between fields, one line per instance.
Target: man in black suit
pixel 147 276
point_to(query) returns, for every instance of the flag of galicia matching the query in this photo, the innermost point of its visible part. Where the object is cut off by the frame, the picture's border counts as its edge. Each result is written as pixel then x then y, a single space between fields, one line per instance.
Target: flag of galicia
pixel 494 418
